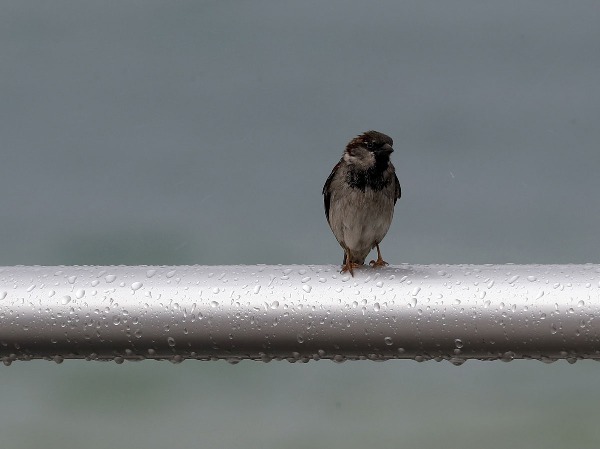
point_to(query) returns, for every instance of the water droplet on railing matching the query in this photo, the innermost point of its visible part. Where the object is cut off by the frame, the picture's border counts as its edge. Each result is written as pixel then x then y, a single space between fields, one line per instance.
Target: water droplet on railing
pixel 540 294
pixel 508 356
pixel 513 279
pixel 457 361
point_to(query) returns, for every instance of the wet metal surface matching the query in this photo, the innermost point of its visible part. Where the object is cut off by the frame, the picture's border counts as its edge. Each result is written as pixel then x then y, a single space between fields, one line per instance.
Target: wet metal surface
pixel 300 313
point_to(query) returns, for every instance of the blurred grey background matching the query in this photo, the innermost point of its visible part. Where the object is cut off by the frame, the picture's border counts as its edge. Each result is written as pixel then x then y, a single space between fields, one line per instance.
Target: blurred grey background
pixel 201 132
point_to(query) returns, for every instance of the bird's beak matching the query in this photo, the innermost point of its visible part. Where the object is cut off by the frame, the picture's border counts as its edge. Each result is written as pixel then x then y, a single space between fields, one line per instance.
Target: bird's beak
pixel 386 149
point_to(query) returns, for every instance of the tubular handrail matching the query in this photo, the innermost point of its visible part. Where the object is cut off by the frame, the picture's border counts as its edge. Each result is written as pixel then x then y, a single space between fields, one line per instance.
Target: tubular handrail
pixel 300 313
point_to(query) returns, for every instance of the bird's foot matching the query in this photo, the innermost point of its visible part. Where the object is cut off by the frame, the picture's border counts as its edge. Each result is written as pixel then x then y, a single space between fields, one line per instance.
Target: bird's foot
pixel 350 266
pixel 378 263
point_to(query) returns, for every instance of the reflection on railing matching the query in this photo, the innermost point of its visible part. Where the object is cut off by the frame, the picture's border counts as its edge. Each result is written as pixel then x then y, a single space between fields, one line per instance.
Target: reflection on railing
pixel 300 313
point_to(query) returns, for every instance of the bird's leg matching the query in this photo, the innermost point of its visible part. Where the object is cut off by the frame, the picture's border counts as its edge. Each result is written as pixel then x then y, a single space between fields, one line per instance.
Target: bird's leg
pixel 348 265
pixel 379 262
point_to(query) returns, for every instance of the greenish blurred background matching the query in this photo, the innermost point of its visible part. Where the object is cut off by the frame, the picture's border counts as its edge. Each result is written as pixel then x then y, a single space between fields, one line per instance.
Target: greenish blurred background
pixel 201 132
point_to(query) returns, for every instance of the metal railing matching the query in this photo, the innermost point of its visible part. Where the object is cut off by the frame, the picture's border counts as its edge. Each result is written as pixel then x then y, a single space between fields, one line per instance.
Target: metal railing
pixel 300 313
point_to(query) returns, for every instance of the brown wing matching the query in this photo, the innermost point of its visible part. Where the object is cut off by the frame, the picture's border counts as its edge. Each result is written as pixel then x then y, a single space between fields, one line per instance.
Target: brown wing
pixel 398 189
pixel 326 189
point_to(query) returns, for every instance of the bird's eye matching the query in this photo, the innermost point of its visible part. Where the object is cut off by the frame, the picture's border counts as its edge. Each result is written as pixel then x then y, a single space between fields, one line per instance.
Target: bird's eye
pixel 369 145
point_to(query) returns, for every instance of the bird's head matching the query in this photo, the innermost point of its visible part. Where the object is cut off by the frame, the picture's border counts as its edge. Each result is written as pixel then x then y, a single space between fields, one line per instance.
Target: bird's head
pixel 368 150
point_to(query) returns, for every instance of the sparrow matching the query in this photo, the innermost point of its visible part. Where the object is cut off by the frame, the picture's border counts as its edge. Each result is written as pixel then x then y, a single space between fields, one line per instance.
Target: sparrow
pixel 359 197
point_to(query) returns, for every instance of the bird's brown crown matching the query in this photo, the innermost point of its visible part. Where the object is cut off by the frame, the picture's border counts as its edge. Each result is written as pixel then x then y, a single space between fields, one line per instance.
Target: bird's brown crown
pixel 369 140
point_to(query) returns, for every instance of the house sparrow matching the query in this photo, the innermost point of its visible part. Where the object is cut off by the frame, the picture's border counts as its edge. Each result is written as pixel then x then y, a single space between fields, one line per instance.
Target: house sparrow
pixel 360 195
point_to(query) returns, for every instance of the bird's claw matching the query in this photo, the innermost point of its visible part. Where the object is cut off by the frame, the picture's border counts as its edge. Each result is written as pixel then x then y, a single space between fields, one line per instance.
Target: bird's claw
pixel 349 266
pixel 378 263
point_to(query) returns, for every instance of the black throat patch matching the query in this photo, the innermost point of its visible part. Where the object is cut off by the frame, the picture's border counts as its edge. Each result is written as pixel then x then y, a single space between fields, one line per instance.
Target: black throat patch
pixel 371 178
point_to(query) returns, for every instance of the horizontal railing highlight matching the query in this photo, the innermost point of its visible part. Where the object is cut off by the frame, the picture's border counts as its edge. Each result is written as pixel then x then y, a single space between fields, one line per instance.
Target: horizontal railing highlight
pixel 300 313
